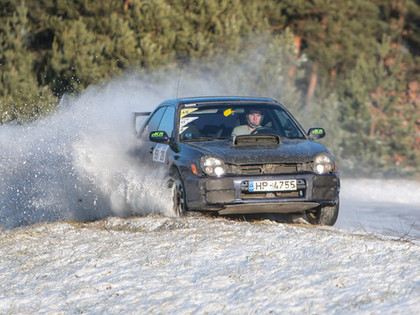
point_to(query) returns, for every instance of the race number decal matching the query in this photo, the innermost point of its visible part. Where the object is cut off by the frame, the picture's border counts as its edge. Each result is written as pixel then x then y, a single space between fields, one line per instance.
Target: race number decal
pixel 159 153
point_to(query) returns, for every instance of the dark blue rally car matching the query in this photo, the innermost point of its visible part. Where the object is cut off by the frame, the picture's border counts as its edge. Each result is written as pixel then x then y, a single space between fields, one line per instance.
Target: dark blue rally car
pixel 240 155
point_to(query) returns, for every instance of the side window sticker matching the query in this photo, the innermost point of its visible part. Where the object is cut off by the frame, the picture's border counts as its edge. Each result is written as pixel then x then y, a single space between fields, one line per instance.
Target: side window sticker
pixel 187 111
pixel 184 122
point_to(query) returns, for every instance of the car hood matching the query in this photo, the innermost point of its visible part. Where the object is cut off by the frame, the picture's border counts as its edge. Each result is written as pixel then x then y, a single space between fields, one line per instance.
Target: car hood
pixel 289 151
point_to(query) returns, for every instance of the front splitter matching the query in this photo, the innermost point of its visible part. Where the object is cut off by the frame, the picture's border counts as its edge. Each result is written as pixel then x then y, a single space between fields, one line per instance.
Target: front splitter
pixel 248 208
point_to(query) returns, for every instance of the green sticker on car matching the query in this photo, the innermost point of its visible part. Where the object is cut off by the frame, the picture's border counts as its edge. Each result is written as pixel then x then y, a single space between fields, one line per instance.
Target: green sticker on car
pixel 317 131
pixel 157 134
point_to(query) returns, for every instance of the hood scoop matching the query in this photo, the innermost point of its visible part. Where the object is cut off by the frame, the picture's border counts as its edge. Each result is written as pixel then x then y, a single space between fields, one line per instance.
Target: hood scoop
pixel 255 140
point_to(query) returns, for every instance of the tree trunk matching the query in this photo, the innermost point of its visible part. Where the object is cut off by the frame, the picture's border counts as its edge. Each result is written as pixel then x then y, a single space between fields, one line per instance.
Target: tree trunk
pixel 298 42
pixel 127 4
pixel 312 84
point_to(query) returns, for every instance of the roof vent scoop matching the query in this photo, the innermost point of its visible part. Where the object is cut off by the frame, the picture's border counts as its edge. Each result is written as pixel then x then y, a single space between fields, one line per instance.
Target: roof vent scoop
pixel 253 140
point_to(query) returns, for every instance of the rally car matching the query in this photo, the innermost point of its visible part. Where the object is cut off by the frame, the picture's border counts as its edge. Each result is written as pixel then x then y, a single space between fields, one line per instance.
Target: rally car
pixel 240 155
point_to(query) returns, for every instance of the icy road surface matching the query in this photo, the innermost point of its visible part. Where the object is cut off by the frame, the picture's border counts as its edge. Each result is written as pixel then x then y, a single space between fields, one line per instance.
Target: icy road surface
pixel 367 264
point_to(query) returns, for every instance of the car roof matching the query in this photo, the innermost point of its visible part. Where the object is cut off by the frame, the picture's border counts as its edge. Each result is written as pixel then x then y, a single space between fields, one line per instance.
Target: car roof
pixel 211 99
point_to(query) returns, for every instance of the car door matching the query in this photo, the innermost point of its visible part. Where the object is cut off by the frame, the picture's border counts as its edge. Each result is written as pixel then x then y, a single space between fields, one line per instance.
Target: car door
pixel 156 154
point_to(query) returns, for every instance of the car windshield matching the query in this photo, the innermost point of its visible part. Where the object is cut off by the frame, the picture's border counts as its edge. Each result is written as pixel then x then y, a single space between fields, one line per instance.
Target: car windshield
pixel 198 122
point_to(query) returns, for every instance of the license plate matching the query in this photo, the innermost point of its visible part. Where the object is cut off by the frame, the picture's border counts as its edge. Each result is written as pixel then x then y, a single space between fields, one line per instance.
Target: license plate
pixel 273 185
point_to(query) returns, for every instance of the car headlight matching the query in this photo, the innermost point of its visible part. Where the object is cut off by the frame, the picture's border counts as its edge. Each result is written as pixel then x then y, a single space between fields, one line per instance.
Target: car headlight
pixel 323 164
pixel 213 166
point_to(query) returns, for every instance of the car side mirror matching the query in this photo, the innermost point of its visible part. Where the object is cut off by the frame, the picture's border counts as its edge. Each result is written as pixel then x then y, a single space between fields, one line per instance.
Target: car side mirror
pixel 316 133
pixel 159 136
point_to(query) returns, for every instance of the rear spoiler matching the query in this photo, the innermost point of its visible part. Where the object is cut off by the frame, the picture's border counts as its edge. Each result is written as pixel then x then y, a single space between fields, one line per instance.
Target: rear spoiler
pixel 136 115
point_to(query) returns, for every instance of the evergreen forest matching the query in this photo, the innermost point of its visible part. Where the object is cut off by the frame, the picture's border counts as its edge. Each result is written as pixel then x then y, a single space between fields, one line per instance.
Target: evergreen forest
pixel 350 66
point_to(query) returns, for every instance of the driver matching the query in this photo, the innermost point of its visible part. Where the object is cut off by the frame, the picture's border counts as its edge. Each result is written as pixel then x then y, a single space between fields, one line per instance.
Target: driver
pixel 254 118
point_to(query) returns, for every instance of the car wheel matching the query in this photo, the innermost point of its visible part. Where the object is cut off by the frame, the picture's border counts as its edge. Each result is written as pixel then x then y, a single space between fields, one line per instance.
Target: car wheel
pixel 326 215
pixel 178 200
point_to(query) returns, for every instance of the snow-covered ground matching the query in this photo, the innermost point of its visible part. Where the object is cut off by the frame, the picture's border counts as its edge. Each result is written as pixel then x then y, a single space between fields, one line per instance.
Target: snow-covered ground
pixel 57 174
pixel 202 265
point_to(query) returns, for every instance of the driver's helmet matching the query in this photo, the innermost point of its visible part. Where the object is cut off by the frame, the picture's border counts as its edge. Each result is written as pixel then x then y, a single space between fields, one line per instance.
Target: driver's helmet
pixel 248 111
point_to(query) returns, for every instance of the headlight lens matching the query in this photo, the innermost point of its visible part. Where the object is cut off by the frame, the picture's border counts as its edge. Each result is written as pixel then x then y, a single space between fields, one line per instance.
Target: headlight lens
pixel 323 164
pixel 213 166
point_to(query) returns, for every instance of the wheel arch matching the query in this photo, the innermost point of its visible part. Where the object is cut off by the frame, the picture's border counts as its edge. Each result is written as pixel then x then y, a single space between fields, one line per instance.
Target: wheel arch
pixel 173 170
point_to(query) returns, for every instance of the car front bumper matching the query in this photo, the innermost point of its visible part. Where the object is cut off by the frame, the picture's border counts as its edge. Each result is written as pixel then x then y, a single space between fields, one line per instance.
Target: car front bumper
pixel 230 194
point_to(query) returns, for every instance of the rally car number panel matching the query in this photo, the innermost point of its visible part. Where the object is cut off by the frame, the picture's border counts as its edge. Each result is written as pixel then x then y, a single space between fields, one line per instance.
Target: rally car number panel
pixel 159 153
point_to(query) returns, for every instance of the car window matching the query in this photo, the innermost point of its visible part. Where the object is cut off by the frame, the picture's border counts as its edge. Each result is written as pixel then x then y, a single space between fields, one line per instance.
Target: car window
pixel 153 123
pixel 205 122
pixel 167 121
pixel 289 128
pixel 217 121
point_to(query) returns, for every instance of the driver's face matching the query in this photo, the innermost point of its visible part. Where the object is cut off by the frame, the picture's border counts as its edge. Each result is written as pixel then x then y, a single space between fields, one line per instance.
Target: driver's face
pixel 254 117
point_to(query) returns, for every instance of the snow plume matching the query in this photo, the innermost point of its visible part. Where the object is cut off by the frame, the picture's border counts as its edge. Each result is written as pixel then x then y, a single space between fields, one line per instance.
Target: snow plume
pixel 76 164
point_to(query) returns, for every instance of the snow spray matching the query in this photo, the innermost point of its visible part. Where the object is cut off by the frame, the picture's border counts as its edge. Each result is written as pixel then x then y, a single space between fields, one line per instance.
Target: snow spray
pixel 76 164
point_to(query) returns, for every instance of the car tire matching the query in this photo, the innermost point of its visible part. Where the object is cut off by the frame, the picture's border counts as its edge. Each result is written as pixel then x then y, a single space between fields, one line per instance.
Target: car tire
pixel 326 215
pixel 178 199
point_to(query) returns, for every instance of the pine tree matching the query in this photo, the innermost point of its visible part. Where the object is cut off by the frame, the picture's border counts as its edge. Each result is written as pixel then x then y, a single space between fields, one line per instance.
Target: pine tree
pixel 21 97
pixel 122 49
pixel 332 33
pixel 78 58
pixel 376 113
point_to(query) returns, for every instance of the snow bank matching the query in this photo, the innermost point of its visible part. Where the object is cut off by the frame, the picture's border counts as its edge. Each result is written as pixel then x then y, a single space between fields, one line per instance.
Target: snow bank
pixel 390 207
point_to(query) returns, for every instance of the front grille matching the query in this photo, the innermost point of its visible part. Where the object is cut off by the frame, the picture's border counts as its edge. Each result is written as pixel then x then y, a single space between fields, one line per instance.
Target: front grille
pixel 271 168
pixel 283 194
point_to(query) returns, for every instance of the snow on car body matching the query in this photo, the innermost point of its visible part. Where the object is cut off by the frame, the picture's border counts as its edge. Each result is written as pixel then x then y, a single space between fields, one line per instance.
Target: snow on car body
pixel 275 168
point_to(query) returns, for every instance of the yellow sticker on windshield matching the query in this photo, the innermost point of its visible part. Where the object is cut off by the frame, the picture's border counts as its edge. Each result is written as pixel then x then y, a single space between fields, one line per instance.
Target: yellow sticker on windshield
pixel 187 111
pixel 227 112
